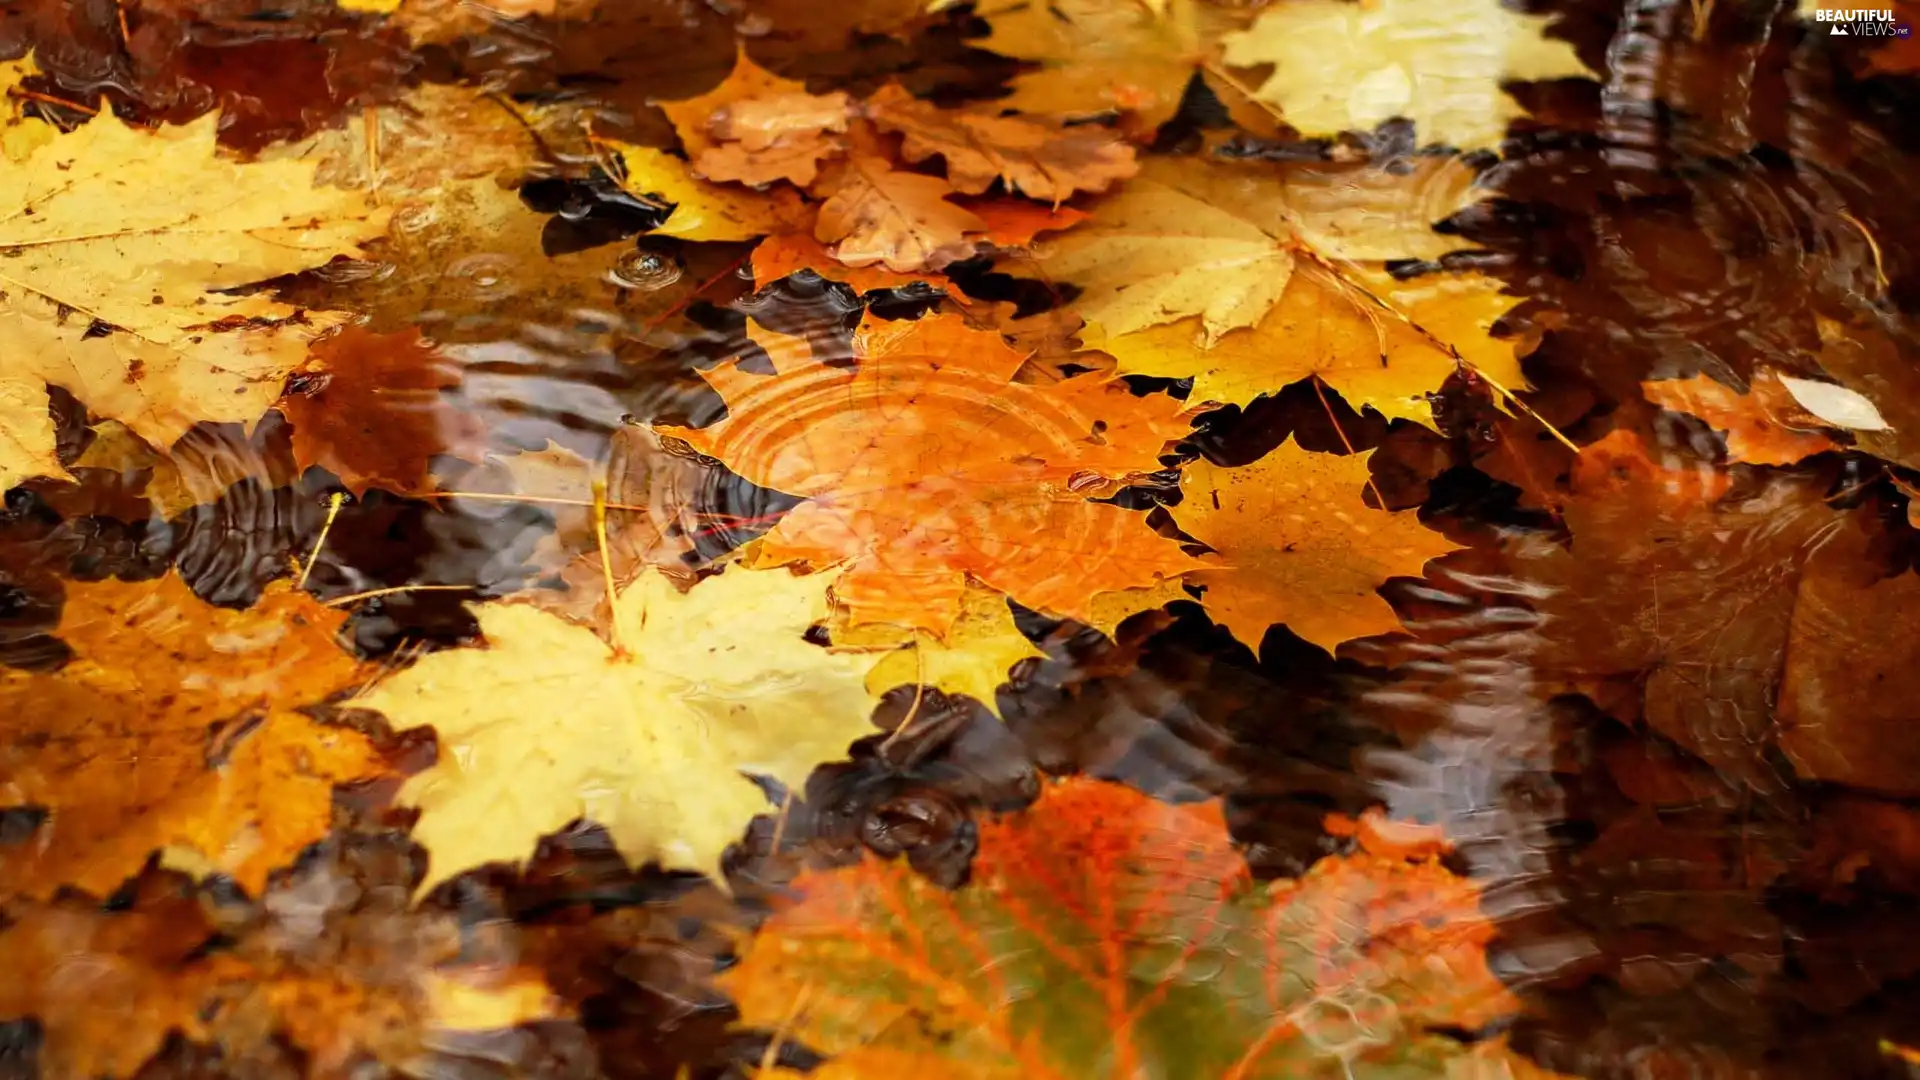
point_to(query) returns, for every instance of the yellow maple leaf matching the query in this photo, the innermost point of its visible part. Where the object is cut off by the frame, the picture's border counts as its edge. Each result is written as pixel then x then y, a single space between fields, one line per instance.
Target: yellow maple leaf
pixel 1154 254
pixel 1098 56
pixel 650 739
pixel 124 241
pixel 704 211
pixel 1301 547
pixel 26 432
pixel 1340 66
pixel 972 659
pixel 1247 279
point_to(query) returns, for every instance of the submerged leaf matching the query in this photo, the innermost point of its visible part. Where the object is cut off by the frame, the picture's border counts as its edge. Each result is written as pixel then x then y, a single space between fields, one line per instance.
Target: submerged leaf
pixel 331 969
pixel 1104 934
pixel 1757 424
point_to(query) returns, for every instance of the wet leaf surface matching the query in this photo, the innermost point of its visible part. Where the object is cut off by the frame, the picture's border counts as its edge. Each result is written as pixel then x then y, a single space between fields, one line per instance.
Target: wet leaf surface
pixel 690 541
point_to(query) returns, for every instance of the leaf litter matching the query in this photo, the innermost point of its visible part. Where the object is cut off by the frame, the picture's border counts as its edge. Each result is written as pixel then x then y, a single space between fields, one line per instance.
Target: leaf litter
pixel 1121 537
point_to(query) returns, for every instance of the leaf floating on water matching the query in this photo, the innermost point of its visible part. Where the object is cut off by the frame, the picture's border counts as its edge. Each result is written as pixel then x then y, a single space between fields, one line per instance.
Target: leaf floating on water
pixel 204 700
pixel 1300 545
pixel 1041 161
pixel 914 487
pixel 1755 423
pixel 1835 404
pixel 652 737
pixel 1339 66
pixel 129 242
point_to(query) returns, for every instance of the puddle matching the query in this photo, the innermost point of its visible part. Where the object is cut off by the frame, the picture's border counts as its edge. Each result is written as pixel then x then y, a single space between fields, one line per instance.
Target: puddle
pixel 1195 588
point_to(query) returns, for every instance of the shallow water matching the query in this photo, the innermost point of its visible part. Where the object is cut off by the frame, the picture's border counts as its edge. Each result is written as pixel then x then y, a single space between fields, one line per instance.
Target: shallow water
pixel 1659 705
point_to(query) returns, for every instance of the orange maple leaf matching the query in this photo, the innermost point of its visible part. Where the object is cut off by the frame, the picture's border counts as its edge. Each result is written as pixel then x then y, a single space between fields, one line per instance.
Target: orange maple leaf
pixel 371 409
pixel 1041 160
pixel 1009 224
pixel 1757 424
pixel 875 213
pixel 925 463
pixel 202 699
pixel 1105 934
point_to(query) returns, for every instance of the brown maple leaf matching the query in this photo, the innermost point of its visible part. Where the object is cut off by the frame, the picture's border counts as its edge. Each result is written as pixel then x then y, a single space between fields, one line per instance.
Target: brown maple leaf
pixel 1674 575
pixel 370 409
pixel 1038 159
pixel 176 726
pixel 925 464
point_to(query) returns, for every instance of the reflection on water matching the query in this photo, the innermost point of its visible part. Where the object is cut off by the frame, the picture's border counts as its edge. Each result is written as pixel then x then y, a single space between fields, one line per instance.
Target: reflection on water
pixel 1656 704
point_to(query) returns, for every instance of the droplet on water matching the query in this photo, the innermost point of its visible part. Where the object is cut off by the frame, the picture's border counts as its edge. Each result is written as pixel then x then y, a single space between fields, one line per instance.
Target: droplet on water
pixel 487 274
pixel 638 269
pixel 348 271
pixel 414 217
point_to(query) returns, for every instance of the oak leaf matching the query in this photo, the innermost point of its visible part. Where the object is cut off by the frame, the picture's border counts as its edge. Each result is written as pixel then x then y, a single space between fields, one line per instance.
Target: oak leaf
pixel 128 241
pixel 1341 67
pixel 654 734
pixel 1101 56
pixel 1104 934
pixel 877 214
pixel 372 409
pixel 204 700
pixel 1759 425
pixel 1042 161
pixel 1301 546
pixel 923 465
pixel 331 966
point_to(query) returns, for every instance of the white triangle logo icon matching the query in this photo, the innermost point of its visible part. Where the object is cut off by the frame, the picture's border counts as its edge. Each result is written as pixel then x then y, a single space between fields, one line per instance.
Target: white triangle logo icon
pixel 1839 31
